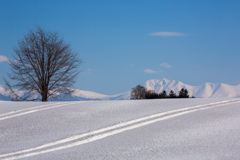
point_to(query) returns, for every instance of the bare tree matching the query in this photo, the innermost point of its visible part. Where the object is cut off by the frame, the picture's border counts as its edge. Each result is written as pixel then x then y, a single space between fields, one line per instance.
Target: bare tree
pixel 138 92
pixel 43 64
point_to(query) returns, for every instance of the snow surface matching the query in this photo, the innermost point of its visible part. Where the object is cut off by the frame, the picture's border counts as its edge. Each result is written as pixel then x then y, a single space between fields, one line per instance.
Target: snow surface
pixel 141 129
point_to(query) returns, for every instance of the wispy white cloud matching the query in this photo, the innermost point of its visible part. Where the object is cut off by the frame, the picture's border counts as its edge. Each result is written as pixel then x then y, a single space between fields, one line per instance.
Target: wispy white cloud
pixel 167 34
pixel 166 65
pixel 3 59
pixel 151 71
pixel 89 70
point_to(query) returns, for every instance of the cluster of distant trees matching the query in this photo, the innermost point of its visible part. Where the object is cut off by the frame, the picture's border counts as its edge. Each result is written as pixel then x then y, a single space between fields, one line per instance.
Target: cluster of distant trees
pixel 140 92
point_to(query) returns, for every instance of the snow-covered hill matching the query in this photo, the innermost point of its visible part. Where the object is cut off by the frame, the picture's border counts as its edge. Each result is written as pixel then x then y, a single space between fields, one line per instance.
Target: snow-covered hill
pixel 206 90
pixel 182 129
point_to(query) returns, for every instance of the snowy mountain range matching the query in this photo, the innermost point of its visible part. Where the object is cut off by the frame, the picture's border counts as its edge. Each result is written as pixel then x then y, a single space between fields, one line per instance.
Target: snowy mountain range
pixel 77 95
pixel 206 90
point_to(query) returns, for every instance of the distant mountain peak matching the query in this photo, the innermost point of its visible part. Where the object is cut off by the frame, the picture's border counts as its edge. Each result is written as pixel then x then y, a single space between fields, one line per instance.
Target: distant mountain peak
pixel 206 90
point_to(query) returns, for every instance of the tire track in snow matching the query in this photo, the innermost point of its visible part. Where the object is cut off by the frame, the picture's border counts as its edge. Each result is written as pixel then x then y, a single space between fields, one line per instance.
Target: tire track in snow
pixel 25 111
pixel 16 111
pixel 109 131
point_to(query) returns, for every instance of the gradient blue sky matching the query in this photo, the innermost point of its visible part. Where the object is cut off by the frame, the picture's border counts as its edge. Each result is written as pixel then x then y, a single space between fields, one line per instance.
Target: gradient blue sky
pixel 125 42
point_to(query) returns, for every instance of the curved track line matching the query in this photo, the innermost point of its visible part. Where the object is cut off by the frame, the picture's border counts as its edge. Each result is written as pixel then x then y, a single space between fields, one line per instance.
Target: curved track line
pixel 38 108
pixel 125 126
pixel 16 111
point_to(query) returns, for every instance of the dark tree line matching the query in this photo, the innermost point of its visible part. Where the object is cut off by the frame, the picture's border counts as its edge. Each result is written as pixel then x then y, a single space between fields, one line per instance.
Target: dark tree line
pixel 140 92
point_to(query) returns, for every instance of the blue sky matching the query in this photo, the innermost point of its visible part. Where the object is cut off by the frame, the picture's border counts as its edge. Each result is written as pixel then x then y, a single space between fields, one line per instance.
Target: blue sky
pixel 123 43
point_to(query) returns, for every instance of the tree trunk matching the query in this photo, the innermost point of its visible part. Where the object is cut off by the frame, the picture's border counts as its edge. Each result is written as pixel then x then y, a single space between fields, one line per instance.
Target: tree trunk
pixel 44 93
pixel 44 96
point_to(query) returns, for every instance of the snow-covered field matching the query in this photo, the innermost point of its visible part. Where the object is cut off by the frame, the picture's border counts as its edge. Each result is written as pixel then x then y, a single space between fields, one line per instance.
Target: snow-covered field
pixel 144 129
